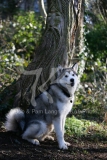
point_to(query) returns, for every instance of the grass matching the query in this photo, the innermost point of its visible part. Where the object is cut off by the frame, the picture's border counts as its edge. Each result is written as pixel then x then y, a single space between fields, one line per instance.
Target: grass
pixel 84 128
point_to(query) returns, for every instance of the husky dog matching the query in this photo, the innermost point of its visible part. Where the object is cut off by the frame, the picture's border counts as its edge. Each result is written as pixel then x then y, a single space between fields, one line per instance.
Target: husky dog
pixel 52 107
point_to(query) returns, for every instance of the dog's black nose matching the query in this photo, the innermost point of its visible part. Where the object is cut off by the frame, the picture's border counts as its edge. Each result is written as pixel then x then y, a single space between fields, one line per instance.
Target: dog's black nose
pixel 72 80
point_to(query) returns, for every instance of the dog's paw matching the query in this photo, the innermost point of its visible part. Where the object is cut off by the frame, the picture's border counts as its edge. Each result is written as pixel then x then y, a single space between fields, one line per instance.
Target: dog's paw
pixel 63 146
pixel 35 141
pixel 50 138
pixel 47 137
pixel 67 143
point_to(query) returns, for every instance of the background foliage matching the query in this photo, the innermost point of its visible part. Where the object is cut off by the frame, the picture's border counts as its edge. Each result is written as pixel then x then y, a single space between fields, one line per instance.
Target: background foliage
pixel 18 39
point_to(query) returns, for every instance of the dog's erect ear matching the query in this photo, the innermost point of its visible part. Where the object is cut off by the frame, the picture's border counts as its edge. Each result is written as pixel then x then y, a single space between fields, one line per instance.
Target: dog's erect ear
pixel 75 67
pixel 59 70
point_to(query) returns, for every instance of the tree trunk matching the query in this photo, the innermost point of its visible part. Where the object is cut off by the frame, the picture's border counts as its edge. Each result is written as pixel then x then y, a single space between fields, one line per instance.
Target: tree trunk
pixel 57 45
pixel 28 5
pixel 79 49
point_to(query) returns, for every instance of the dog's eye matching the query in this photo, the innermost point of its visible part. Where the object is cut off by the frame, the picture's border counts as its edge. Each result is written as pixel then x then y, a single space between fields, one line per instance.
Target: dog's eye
pixel 66 76
pixel 72 74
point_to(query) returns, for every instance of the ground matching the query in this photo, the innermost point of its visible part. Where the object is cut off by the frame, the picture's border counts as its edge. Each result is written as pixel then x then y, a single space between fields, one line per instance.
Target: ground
pixel 14 148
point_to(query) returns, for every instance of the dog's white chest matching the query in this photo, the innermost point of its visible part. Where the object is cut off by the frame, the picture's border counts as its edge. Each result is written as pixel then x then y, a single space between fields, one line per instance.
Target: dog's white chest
pixel 64 108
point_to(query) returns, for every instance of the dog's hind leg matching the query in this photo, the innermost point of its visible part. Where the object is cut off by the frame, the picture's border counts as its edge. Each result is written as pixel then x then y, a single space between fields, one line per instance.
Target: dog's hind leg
pixel 35 132
pixel 47 135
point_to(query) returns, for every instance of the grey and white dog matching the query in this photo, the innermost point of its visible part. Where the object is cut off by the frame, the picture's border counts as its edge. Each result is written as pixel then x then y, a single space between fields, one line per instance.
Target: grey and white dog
pixel 52 107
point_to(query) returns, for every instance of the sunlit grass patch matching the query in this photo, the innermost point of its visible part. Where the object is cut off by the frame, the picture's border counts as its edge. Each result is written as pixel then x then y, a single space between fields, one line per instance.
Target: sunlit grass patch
pixel 84 128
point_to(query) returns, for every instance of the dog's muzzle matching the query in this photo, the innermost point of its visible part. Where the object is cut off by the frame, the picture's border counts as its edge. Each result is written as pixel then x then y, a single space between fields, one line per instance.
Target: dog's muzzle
pixel 72 82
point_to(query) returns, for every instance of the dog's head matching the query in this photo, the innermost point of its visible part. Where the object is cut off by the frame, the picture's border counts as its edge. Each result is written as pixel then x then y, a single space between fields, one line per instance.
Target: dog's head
pixel 68 78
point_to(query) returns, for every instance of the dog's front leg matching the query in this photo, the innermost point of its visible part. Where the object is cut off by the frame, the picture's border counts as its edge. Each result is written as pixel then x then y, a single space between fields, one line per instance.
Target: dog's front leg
pixel 59 132
pixel 63 129
pixel 63 124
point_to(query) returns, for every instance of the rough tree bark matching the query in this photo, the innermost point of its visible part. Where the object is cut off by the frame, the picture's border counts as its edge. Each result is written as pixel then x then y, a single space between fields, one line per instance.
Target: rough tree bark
pixel 79 48
pixel 57 45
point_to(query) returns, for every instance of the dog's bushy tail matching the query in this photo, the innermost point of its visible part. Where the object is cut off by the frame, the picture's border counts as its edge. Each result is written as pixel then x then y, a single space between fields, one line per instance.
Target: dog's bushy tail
pixel 15 120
